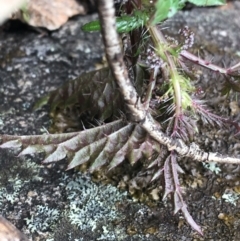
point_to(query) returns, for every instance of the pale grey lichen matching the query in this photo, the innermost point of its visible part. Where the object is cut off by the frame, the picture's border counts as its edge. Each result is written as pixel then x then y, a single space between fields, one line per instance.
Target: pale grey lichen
pixel 90 210
pixel 43 219
pixel 107 233
pixel 91 204
pixel 230 196
pixel 12 195
pixel 16 183
pixel 212 166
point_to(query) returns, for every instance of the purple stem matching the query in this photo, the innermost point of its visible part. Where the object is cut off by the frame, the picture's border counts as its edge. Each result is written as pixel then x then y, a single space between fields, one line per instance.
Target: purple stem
pixel 206 64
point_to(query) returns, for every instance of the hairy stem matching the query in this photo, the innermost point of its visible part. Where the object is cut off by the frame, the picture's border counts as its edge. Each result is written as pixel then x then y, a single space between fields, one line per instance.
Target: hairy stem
pixel 159 40
pixel 115 58
pixel 196 60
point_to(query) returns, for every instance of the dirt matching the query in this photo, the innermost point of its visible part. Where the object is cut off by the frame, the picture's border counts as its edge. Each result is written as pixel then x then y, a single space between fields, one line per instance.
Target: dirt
pixel 40 199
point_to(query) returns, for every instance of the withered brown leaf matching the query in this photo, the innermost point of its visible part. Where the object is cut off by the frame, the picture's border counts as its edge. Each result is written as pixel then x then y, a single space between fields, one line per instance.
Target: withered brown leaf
pixel 8 232
pixel 49 14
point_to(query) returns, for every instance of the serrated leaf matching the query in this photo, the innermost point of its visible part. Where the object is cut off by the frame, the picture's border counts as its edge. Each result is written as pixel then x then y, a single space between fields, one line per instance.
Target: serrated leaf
pixel 172 184
pixel 58 146
pixel 92 96
pixel 86 153
pixel 36 149
pixel 105 148
pixel 110 143
pixel 95 147
pixel 159 160
pixel 11 143
pixel 207 2
pixel 138 142
pixel 59 154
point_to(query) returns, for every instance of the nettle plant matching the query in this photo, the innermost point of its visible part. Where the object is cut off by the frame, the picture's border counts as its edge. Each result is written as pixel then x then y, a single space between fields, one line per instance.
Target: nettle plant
pixel 136 118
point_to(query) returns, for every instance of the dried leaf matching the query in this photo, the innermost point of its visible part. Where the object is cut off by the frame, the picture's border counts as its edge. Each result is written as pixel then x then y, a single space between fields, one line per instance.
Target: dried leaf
pixel 8 232
pixel 49 14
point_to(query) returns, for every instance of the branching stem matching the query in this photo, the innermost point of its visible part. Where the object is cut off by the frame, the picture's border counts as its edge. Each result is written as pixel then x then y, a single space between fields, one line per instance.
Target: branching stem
pixel 115 60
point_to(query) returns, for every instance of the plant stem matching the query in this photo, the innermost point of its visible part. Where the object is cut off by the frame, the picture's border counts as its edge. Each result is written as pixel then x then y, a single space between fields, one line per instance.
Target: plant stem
pixel 233 68
pixel 151 85
pixel 196 60
pixel 159 42
pixel 115 58
pixel 202 62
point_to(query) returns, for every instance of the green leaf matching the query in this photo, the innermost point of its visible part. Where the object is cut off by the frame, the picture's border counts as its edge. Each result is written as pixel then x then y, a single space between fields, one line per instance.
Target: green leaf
pixel 166 9
pixel 91 26
pixel 207 2
pixel 124 24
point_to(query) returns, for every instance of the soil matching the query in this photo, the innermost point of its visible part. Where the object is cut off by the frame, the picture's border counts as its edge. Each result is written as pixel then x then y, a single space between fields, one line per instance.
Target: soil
pixel 48 203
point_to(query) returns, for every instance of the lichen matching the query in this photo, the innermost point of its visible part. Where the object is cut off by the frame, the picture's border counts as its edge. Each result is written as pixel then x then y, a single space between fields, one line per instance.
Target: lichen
pixel 212 166
pixel 91 204
pixel 230 196
pixel 11 190
pixel 10 196
pixel 43 219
